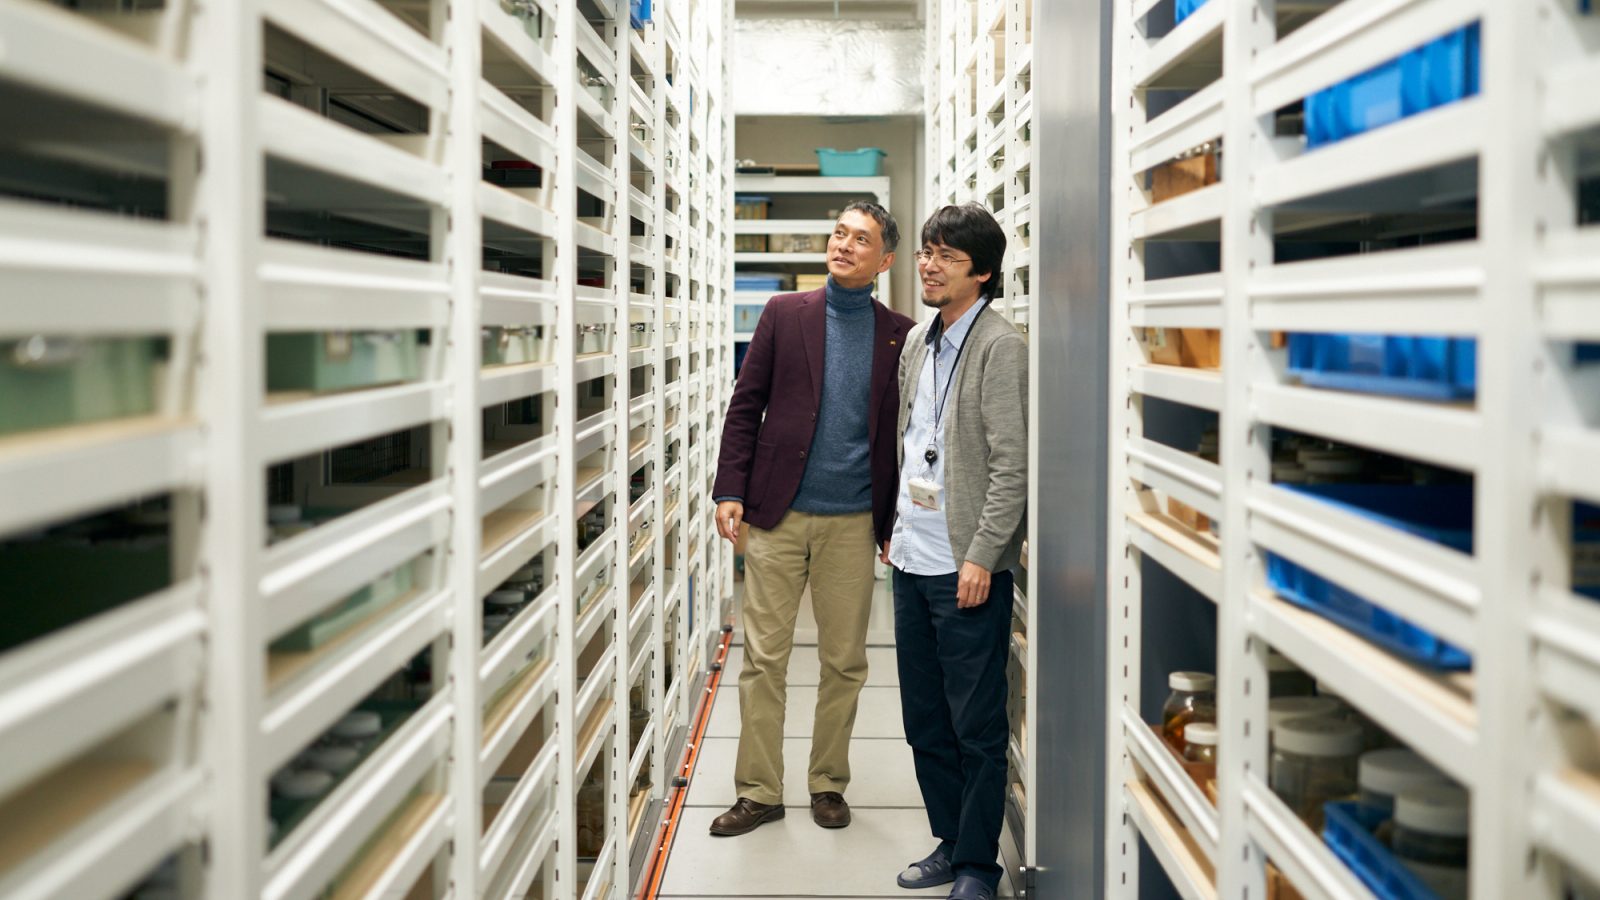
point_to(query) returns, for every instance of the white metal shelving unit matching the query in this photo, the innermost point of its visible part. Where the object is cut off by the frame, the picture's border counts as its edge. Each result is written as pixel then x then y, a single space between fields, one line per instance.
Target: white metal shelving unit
pixel 837 191
pixel 155 726
pixel 1514 282
pixel 979 148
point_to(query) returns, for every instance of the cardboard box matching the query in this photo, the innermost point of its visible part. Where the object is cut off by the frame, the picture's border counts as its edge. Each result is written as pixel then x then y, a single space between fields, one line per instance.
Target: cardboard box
pixel 1189 516
pixel 750 243
pixel 1201 348
pixel 1164 345
pixel 1182 176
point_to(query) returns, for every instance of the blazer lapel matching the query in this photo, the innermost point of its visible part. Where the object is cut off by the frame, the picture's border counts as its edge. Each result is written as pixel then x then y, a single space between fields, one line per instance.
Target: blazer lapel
pixel 885 364
pixel 814 330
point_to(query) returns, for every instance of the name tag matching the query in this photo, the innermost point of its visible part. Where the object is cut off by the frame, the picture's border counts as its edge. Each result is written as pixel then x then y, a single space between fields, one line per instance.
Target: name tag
pixel 925 494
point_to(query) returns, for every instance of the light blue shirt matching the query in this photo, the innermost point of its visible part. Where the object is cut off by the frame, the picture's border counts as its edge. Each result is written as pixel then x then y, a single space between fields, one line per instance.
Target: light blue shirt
pixel 920 544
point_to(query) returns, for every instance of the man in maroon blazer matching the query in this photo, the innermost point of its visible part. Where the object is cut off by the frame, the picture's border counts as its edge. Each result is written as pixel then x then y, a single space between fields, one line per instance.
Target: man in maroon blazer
pixel 808 461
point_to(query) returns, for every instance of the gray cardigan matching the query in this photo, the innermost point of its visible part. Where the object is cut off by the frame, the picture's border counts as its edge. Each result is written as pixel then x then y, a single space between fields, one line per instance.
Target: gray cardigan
pixel 985 439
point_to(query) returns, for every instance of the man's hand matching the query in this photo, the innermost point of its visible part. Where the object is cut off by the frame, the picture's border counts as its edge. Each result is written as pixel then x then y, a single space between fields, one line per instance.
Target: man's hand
pixel 972 586
pixel 730 513
pixel 884 556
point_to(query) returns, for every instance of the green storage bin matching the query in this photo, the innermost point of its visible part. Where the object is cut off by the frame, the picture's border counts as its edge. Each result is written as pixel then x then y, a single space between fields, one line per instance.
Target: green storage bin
pixel 513 346
pixel 56 582
pixel 341 360
pixel 348 613
pixel 48 382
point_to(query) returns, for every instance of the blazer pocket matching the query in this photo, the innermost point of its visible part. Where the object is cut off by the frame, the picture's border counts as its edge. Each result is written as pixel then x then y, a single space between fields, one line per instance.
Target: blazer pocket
pixel 760 474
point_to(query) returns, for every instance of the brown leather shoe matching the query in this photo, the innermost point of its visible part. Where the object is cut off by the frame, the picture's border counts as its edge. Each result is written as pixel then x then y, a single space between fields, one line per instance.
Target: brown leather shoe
pixel 744 817
pixel 829 810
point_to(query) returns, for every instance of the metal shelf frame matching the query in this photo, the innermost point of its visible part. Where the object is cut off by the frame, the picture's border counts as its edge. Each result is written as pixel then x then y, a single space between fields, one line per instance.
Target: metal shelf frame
pixel 1523 287
pixel 185 666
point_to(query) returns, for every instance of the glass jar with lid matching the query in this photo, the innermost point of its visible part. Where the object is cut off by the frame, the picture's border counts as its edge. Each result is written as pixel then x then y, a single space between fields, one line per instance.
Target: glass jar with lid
pixel 1282 709
pixel 1432 825
pixel 526 581
pixel 1285 679
pixel 1200 743
pixel 1193 699
pixel 1385 774
pixel 505 602
pixel 1314 761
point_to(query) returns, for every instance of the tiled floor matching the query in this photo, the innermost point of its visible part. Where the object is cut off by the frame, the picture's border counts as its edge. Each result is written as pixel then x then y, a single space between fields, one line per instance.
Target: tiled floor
pixel 795 859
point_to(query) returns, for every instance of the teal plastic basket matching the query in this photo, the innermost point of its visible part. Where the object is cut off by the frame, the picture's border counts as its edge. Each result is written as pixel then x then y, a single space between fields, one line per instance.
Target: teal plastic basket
pixel 864 162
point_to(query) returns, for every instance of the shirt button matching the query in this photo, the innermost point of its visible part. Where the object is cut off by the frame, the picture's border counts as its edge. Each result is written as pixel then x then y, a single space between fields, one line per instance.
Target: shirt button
pixel 802 454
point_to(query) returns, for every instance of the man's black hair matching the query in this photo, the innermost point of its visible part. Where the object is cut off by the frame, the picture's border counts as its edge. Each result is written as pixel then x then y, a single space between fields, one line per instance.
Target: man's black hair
pixel 970 229
pixel 887 228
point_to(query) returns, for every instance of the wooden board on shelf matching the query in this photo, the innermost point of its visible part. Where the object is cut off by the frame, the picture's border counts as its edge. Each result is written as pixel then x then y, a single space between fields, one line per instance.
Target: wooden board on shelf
pixel 48 809
pixel 360 878
pixel 282 667
pixel 1173 835
pixel 503 525
pixel 496 716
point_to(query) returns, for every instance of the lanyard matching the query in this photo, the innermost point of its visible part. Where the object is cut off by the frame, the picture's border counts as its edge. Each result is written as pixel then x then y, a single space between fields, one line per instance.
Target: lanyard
pixel 940 397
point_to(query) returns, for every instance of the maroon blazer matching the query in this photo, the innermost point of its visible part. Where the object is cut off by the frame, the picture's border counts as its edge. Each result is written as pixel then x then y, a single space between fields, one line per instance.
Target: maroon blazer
pixel 763 459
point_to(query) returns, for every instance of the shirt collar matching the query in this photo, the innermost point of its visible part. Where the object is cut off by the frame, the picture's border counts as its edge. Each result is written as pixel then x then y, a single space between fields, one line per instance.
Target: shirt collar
pixel 957 333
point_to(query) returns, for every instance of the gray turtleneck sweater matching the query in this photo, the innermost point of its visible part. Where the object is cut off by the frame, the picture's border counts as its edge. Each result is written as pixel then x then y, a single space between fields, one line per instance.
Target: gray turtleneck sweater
pixel 838 477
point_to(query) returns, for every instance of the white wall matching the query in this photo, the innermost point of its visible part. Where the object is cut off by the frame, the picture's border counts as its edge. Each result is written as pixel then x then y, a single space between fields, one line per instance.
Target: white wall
pixel 794 139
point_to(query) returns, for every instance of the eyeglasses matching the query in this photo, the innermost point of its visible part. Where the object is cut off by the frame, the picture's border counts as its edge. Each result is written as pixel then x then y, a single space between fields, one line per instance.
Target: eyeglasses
pixel 945 260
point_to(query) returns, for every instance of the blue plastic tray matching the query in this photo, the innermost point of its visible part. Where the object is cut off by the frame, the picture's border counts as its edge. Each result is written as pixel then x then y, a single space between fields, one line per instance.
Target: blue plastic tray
pixel 864 162
pixel 1440 513
pixel 638 13
pixel 757 283
pixel 1347 830
pixel 1428 368
pixel 1441 71
pixel 1183 9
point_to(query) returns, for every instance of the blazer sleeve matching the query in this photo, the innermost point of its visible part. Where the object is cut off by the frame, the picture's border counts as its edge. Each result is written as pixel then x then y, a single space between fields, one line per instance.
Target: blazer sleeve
pixel 746 408
pixel 1004 391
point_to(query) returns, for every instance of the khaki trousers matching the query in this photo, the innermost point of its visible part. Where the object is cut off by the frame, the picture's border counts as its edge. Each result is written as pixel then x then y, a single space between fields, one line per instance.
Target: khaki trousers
pixel 835 554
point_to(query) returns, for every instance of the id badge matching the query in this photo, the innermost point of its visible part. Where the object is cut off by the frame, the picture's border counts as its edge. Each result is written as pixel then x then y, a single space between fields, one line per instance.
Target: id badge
pixel 925 493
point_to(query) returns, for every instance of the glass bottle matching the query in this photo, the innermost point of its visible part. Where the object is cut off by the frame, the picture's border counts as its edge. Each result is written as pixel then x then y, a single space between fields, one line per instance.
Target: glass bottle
pixel 1314 762
pixel 1193 699
pixel 1200 743
pixel 1432 825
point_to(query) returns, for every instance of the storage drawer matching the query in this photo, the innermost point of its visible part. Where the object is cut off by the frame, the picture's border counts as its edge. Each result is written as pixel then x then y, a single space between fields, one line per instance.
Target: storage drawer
pixel 347 613
pixel 594 337
pixel 49 382
pixel 340 360
pixel 514 346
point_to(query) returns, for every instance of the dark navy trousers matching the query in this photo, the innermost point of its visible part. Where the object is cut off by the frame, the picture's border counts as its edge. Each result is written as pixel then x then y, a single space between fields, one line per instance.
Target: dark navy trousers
pixel 953 699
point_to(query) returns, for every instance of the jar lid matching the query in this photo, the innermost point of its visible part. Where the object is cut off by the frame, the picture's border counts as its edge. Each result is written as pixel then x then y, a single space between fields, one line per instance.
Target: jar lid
pixel 1318 737
pixel 283 513
pixel 332 759
pixel 301 784
pixel 526 573
pixel 1397 769
pixel 495 621
pixel 1204 733
pixel 506 598
pixel 1442 809
pixel 1192 681
pixel 1277 662
pixel 1282 709
pixel 363 723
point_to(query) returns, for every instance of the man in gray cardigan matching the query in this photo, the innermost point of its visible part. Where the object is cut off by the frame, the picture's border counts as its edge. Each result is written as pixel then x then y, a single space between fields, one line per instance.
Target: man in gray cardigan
pixel 958 532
